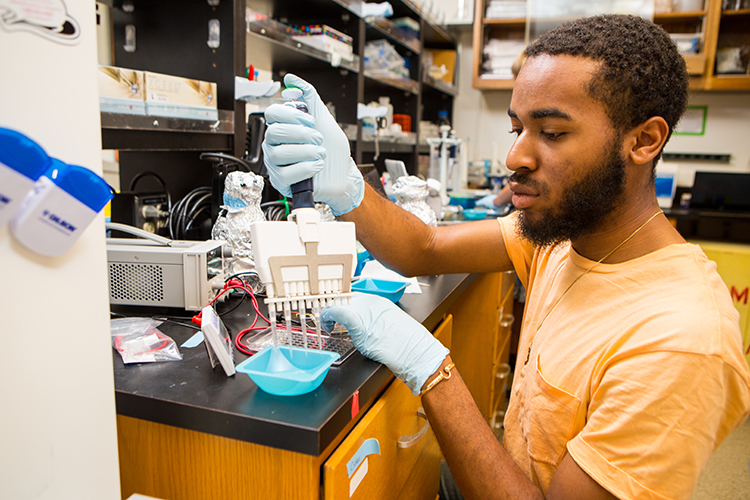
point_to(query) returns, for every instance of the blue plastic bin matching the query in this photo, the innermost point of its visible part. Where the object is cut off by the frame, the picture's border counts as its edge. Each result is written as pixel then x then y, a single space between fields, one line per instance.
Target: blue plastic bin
pixel 311 368
pixel 392 290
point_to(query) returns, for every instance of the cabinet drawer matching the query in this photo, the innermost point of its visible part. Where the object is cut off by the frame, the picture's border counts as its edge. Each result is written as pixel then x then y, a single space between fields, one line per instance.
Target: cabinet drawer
pixel 444 331
pixel 355 470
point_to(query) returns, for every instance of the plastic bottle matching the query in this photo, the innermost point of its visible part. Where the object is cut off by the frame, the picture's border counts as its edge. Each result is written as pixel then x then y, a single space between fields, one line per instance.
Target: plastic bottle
pixel 22 162
pixel 443 118
pixel 386 101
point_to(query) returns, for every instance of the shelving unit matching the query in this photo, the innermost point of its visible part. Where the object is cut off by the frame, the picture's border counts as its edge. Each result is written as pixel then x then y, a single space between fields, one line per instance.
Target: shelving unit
pixel 171 38
pixel 732 31
pixel 486 30
pixel 718 28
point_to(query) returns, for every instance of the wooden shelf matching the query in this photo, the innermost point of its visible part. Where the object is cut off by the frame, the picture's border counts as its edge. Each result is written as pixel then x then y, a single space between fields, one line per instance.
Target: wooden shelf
pixel 739 12
pixel 504 22
pixel 718 28
pixel 658 18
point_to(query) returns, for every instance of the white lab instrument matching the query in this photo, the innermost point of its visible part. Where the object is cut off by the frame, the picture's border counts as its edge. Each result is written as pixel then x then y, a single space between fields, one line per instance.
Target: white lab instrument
pixel 155 271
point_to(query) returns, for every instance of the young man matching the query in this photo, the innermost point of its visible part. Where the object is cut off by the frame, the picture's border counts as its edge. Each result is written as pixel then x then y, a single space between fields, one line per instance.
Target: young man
pixel 630 369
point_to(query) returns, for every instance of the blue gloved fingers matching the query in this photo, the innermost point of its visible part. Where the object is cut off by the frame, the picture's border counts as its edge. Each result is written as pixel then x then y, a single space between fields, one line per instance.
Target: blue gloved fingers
pixel 339 184
pixel 278 113
pixel 309 94
pixel 283 177
pixel 288 154
pixel 347 195
pixel 343 315
pixel 383 332
pixel 487 201
pixel 286 133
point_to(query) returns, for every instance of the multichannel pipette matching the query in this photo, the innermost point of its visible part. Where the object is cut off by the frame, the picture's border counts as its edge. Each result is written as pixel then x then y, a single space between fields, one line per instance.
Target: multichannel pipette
pixel 305 263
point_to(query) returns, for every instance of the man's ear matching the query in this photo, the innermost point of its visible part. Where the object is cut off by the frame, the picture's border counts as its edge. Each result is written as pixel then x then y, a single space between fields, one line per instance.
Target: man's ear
pixel 647 139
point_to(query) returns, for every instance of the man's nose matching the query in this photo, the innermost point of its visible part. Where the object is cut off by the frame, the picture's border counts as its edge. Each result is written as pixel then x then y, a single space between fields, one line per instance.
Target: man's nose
pixel 522 153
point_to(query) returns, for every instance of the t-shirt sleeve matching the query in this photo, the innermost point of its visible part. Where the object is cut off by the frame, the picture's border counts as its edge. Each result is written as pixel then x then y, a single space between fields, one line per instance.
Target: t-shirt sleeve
pixel 654 420
pixel 520 250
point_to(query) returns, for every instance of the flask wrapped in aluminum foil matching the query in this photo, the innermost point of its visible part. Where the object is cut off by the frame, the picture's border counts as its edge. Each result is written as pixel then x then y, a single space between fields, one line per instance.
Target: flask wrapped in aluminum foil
pixel 411 194
pixel 242 196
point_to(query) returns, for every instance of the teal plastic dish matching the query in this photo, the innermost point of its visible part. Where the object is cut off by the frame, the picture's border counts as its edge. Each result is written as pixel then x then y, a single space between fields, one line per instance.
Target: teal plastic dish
pixel 392 290
pixel 310 368
pixel 463 201
pixel 474 213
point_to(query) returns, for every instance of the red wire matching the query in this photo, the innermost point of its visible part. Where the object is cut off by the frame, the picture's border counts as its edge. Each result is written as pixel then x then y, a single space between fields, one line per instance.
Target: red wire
pixel 239 285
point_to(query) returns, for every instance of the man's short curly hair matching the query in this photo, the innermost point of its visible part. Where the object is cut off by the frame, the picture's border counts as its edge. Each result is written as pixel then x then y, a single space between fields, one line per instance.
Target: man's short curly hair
pixel 642 73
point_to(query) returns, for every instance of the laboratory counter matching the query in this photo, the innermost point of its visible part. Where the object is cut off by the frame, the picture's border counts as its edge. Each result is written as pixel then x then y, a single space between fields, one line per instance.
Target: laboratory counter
pixel 190 395
pixel 189 432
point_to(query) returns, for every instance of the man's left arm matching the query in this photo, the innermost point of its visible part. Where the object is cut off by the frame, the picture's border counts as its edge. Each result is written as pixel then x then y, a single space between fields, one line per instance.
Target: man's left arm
pixel 480 464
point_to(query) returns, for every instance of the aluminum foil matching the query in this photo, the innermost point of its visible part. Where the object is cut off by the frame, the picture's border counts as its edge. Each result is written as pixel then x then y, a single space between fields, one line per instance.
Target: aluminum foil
pixel 242 194
pixel 411 194
pixel 326 215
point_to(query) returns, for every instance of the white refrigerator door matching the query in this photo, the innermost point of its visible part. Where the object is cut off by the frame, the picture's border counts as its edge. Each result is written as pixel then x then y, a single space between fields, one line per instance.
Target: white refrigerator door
pixel 58 431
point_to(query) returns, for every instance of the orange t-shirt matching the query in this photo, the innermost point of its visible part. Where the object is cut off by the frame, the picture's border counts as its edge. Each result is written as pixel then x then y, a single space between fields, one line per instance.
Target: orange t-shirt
pixel 637 371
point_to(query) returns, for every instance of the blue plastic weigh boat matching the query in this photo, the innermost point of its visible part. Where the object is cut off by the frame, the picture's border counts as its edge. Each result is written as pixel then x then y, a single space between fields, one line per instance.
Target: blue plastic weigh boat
pixel 309 368
pixel 392 290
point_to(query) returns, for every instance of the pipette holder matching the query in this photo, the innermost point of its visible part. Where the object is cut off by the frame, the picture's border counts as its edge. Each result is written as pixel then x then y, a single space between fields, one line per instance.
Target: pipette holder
pixel 304 263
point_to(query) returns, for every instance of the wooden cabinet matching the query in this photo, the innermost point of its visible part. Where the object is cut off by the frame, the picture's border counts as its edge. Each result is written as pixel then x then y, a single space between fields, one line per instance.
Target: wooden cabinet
pixel 718 29
pixel 728 29
pixel 482 321
pixel 407 462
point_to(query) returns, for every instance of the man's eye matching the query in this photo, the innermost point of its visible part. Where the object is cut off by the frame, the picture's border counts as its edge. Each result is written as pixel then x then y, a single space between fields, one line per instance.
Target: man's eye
pixel 553 135
pixel 516 131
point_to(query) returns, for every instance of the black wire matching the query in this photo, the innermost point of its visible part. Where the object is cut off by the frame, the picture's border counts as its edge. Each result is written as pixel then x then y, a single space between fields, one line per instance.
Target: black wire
pixel 158 178
pixel 239 302
pixel 274 210
pixel 167 320
pixel 186 208
pixel 242 273
pixel 203 203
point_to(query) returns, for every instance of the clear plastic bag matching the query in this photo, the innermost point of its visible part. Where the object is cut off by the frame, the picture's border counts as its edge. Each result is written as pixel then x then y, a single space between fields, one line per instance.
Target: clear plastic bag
pixel 138 340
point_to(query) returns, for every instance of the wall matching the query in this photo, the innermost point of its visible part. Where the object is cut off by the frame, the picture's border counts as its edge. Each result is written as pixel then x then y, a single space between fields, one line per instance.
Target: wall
pixel 58 435
pixel 481 119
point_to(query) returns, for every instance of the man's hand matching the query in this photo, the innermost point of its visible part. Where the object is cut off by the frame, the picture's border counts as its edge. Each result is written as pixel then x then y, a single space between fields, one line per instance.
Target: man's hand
pixel 383 332
pixel 487 201
pixel 298 146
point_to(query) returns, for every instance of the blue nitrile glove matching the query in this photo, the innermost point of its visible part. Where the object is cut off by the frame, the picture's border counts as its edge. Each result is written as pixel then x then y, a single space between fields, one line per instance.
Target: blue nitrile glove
pixel 298 146
pixel 487 201
pixel 383 332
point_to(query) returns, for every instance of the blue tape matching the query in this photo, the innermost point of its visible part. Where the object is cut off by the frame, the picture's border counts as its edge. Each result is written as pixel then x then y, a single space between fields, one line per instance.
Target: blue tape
pixel 194 340
pixel 369 447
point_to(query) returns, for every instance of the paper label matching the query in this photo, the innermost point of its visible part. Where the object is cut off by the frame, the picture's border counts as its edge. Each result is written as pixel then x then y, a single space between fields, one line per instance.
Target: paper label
pixel 369 447
pixel 357 478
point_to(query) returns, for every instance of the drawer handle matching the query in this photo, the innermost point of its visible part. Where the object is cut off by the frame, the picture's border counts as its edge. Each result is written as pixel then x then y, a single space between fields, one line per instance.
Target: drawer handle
pixel 411 440
pixel 507 320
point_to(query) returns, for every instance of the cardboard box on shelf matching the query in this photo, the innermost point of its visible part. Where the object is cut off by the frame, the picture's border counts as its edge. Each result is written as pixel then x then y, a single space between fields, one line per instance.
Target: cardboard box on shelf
pixel 121 90
pixel 175 96
pixel 445 58
pixel 325 38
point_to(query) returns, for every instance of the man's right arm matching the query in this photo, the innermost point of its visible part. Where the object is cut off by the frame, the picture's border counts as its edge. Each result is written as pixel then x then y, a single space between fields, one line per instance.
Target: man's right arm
pixel 407 245
pixel 301 145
